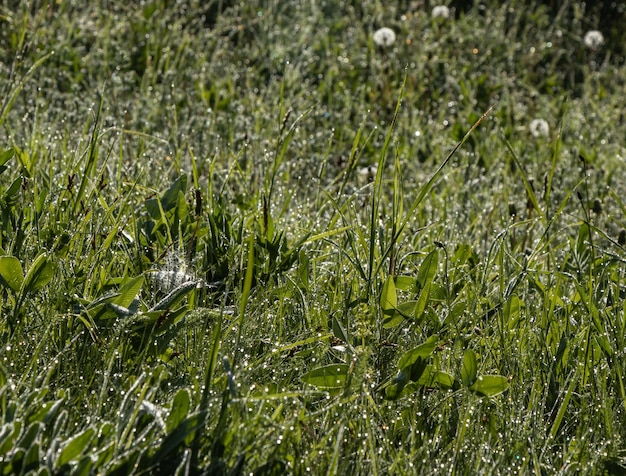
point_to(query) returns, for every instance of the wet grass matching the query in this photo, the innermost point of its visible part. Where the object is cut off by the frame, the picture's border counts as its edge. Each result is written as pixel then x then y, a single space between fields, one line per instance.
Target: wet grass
pixel 247 238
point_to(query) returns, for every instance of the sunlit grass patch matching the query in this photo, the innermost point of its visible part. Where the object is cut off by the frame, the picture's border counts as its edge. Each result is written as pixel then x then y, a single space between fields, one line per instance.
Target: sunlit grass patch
pixel 324 238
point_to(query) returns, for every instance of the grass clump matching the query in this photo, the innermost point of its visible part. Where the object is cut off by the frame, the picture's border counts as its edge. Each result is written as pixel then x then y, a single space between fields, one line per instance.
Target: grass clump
pixel 256 238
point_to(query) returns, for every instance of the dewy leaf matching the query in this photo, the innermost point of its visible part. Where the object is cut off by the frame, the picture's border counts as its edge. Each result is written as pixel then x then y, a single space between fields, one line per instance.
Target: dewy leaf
pixel 75 447
pixel 40 273
pixel 11 273
pixel 428 269
pixel 179 411
pixel 388 297
pixel 511 310
pixel 431 378
pixel 129 291
pixel 421 351
pixel 490 385
pixel 405 283
pixel 470 368
pixel 329 376
pixel 5 157
pixel 393 391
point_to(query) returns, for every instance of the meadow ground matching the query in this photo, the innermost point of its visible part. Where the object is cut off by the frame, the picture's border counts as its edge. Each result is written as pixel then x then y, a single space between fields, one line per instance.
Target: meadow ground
pixel 272 238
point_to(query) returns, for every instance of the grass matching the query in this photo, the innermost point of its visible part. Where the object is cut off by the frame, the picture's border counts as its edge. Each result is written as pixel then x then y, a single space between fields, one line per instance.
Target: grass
pixel 244 238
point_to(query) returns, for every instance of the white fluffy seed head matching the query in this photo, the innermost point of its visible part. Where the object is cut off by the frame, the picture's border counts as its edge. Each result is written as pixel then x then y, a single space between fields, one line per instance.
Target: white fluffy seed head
pixel 384 36
pixel 593 39
pixel 441 11
pixel 539 128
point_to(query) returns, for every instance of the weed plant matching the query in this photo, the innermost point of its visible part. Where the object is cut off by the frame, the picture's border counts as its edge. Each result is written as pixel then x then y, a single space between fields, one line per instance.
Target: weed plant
pixel 255 238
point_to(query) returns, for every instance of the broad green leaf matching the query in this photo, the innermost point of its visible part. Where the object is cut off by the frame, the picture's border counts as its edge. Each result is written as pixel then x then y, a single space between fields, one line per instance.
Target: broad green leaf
pixel 179 411
pixel 338 330
pixel 329 376
pixel 8 434
pixel 511 311
pixel 469 369
pixel 4 158
pixel 393 320
pixel 582 241
pixel 30 435
pixel 40 273
pixel 84 467
pixel 10 195
pixel 32 459
pixel 180 437
pixel 169 199
pixel 422 351
pixel 405 310
pixel 417 369
pixel 11 273
pixel 182 210
pixel 129 291
pixel 393 391
pixel 17 460
pixel 428 269
pixel 46 412
pixel 388 297
pixel 105 455
pixel 420 306
pixel 436 378
pixel 24 161
pixel 490 385
pixel 75 447
pixel 405 283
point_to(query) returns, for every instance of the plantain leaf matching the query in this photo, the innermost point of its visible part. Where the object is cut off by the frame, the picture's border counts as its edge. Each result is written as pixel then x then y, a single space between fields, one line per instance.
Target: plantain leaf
pixel 5 157
pixel 469 369
pixel 179 411
pixel 422 351
pixel 388 297
pixel 436 378
pixel 11 274
pixel 40 273
pixel 75 447
pixel 329 376
pixel 129 291
pixel 490 385
pixel 428 269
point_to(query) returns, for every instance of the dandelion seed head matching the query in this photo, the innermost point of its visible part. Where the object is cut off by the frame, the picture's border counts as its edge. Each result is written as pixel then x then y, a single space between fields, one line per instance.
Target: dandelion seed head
pixel 593 39
pixel 384 36
pixel 539 128
pixel 441 11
